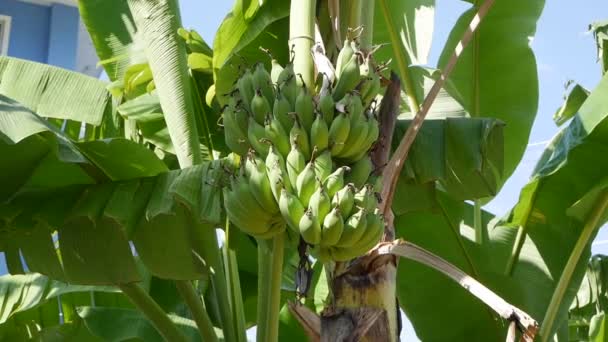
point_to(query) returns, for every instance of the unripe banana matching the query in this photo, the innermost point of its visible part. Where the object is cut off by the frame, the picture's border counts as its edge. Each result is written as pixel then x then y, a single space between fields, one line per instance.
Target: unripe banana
pixel 242 203
pixel 355 109
pixel 323 165
pixel 245 87
pixel 291 209
pixel 360 171
pixel 309 228
pixel 373 132
pixel 235 139
pixel 327 107
pixel 344 199
pixel 355 141
pixel 335 181
pixel 338 133
pixel 259 107
pixel 376 182
pixel 344 56
pixel 354 228
pixel 373 232
pixel 320 203
pixel 300 137
pixel 263 82
pixel 372 89
pixel 255 170
pixel 319 134
pixel 333 225
pixel 304 107
pixel 295 163
pixel 288 85
pixel 281 109
pixel 366 198
pixel 306 183
pixel 276 134
pixel 275 70
pixel 256 134
pixel 242 119
pixel 275 167
pixel 277 227
pixel 348 79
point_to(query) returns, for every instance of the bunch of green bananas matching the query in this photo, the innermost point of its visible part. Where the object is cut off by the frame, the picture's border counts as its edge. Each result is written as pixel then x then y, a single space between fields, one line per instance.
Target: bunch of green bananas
pixel 305 157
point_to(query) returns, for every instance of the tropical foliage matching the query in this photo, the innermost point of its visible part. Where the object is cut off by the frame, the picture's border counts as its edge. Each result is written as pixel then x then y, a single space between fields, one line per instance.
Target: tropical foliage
pixel 111 192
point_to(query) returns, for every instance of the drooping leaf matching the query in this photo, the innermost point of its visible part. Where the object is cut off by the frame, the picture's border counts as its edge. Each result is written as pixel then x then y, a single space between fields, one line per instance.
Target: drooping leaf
pixel 524 271
pixel 572 102
pixel 486 81
pixel 53 92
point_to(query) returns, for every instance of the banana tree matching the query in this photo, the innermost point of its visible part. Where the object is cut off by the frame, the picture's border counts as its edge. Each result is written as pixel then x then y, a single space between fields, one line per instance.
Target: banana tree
pixel 117 191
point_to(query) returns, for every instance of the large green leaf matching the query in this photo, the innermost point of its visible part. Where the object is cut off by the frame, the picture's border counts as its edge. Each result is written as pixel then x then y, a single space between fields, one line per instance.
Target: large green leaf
pixel 158 23
pixel 114 34
pixel 130 325
pixel 487 82
pixel 551 213
pixel 53 92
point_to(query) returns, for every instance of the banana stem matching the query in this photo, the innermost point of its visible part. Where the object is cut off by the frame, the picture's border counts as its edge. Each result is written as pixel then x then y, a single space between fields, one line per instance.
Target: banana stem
pixel 591 225
pixel 367 21
pixel 263 289
pixel 276 269
pixel 302 37
pixel 234 285
pixel 153 312
pixel 270 263
pixel 194 302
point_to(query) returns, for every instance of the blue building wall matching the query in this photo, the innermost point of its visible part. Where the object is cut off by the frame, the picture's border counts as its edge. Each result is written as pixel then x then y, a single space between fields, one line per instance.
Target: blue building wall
pixel 46 34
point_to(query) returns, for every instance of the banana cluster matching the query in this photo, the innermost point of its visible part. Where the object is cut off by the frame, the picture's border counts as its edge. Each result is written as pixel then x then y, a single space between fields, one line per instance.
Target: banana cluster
pixel 305 157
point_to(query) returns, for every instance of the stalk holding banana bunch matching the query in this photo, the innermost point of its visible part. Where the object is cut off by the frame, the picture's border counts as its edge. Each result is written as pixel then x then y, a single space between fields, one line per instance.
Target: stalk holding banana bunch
pixel 305 157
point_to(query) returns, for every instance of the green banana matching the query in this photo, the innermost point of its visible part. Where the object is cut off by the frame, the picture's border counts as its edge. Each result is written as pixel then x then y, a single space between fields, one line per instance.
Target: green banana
pixel 327 107
pixel 259 107
pixel 372 88
pixel 281 109
pixel 300 137
pixel 373 232
pixel 355 108
pixel 276 134
pixel 295 163
pixel 320 203
pixel 323 165
pixel 360 171
pixel 235 139
pixel 366 198
pixel 356 139
pixel 332 228
pixel 304 107
pixel 309 228
pixel 306 183
pixel 319 134
pixel 263 82
pixel 349 78
pixel 275 70
pixel 245 87
pixel 242 203
pixel 288 85
pixel 354 228
pixel 376 182
pixel 344 199
pixel 256 133
pixel 338 133
pixel 344 56
pixel 291 208
pixel 255 170
pixel 335 181
pixel 275 167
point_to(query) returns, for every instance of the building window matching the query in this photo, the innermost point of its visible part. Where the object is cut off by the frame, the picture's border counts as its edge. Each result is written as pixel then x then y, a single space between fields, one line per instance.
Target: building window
pixel 5 30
